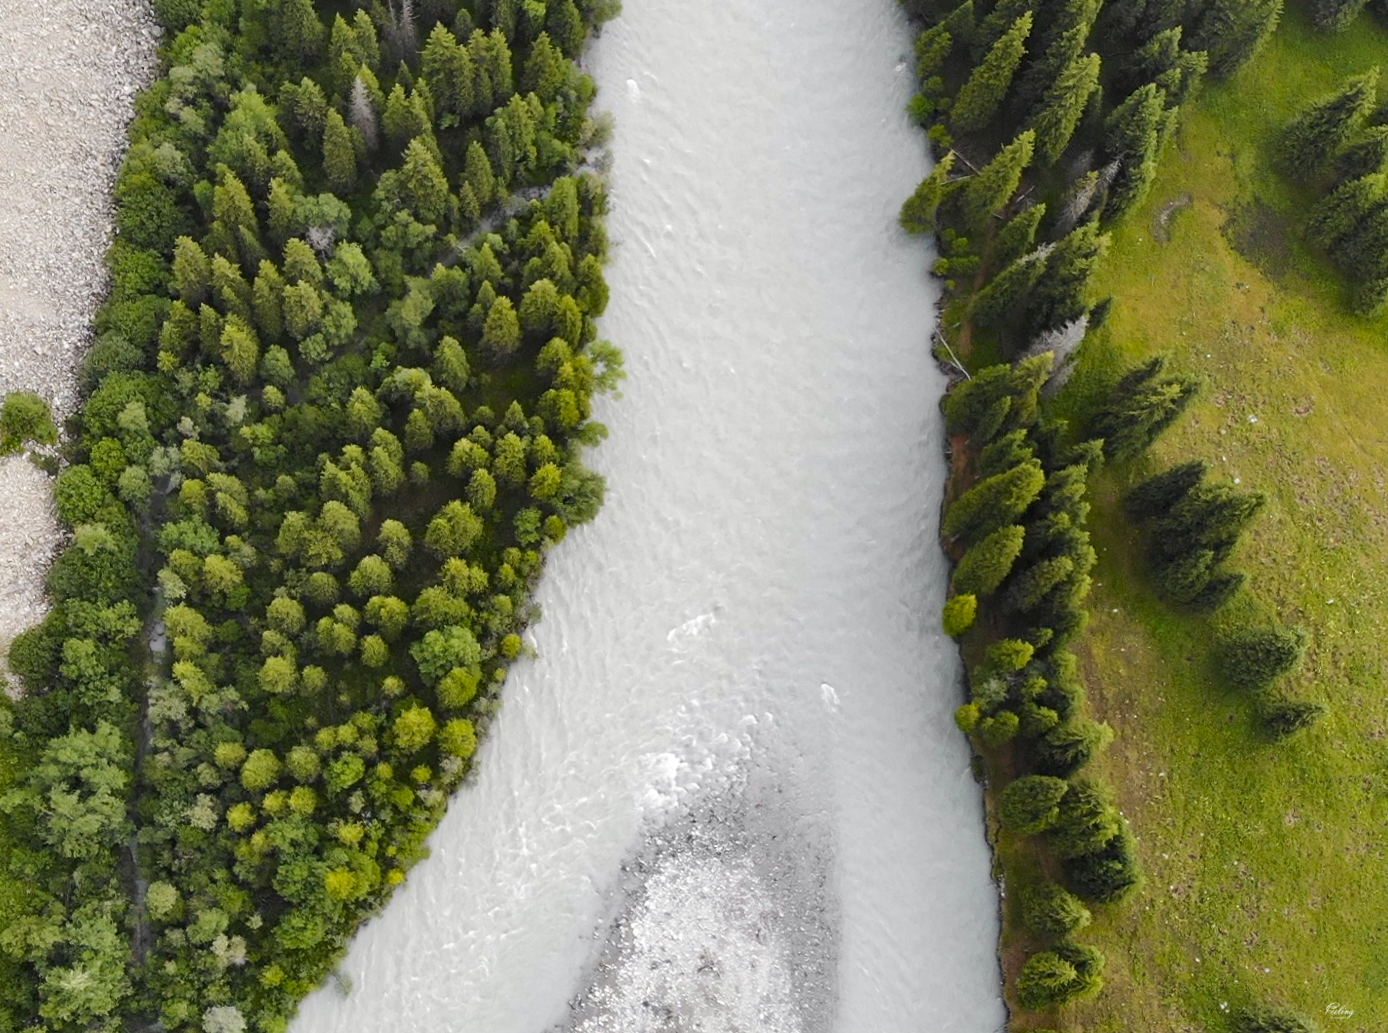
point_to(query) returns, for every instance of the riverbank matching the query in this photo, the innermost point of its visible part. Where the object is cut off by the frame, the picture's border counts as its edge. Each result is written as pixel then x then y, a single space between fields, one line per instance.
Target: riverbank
pixel 1263 860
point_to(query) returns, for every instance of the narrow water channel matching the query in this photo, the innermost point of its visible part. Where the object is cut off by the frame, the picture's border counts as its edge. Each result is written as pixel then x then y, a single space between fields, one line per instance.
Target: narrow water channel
pixel 728 794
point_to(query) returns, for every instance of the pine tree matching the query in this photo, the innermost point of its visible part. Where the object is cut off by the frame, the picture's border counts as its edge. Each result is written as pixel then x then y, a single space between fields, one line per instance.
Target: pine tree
pixel 1284 717
pixel 1031 804
pixel 994 502
pixel 1032 585
pixel 339 154
pixel 1004 453
pixel 1061 295
pixel 1001 297
pixel 1142 406
pixel 1063 106
pixel 1070 745
pixel 987 564
pixel 1258 1019
pixel 1254 658
pixel 1017 236
pixel 981 96
pixel 992 186
pixel 1133 134
pixel 933 47
pixel 1335 15
pixel 1154 497
pixel 1233 31
pixel 918 213
pixel 1042 71
pixel 1051 911
pixel 1336 216
pixel 1109 874
pixel 1365 157
pixel 1211 516
pixel 298 34
pixel 1317 135
pixel 1363 251
pixel 997 23
pixel 961 24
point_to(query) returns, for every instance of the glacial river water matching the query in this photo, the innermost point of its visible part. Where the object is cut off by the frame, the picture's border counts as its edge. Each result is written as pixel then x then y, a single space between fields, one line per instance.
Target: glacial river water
pixel 728 795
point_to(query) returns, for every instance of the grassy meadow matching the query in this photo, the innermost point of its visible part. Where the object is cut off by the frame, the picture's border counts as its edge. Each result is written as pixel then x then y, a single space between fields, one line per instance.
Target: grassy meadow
pixel 1265 863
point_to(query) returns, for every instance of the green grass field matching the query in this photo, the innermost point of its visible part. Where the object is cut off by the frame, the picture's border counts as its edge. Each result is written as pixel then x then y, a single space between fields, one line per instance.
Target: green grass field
pixel 1265 864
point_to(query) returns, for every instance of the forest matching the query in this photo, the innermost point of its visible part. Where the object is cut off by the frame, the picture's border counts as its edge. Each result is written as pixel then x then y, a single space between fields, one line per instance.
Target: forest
pixel 332 422
pixel 1049 122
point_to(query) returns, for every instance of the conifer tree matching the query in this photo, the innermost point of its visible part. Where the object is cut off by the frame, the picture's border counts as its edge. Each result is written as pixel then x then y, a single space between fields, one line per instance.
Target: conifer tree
pixel 1061 295
pixel 933 47
pixel 1211 516
pixel 1335 15
pixel 994 502
pixel 993 185
pixel 1062 107
pixel 987 564
pixel 1363 251
pixel 1233 31
pixel 1000 298
pixel 1133 134
pixel 1031 804
pixel 339 154
pixel 1142 406
pixel 1017 236
pixel 1284 717
pixel 1317 135
pixel 1031 586
pixel 1049 910
pixel 1336 216
pixel 918 213
pixel 1041 72
pixel 981 96
pixel 1254 658
pixel 1004 453
pixel 997 23
pixel 1365 157
pixel 962 25
pixel 1154 497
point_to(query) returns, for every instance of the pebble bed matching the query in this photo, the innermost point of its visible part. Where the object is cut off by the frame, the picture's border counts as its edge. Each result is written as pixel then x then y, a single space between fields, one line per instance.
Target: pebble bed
pixel 68 80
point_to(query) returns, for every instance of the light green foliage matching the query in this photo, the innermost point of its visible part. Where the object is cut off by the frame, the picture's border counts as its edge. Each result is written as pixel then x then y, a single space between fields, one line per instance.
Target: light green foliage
pixel 990 189
pixel 918 213
pixel 994 502
pixel 1063 105
pixel 987 563
pixel 1031 804
pixel 260 771
pixel 25 417
pixel 981 96
pixel 959 614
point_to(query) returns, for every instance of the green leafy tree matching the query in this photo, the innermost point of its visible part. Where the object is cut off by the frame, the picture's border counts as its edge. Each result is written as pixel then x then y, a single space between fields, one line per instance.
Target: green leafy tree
pixel 24 418
pixel 261 770
pixel 1323 128
pixel 959 614
pixel 982 94
pixel 413 729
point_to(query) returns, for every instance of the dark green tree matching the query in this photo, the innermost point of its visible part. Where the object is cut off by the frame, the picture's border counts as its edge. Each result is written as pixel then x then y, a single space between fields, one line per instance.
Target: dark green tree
pixel 1335 217
pixel 1317 135
pixel 1052 911
pixel 1262 1019
pixel 1031 804
pixel 1063 105
pixel 1017 236
pixel 1253 658
pixel 1335 15
pixel 1285 717
pixel 1062 293
pixel 918 213
pixel 1142 406
pixel 1233 31
pixel 1001 297
pixel 339 154
pixel 987 564
pixel 1134 133
pixel 990 189
pixel 994 503
pixel 982 94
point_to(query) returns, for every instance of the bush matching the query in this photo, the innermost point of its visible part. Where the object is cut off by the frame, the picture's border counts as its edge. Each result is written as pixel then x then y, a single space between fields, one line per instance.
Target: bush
pixel 959 614
pixel 25 417
pixel 985 566
pixel 1262 1019
pixel 1284 717
pixel 1106 875
pixel 1031 804
pixel 1053 977
pixel 1254 658
pixel 1052 911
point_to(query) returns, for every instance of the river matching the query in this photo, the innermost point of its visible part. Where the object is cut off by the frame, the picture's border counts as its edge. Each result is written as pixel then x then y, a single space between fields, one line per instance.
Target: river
pixel 727 795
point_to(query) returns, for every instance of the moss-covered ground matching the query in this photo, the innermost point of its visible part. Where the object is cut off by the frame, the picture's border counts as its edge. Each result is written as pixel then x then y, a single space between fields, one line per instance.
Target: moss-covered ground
pixel 1265 863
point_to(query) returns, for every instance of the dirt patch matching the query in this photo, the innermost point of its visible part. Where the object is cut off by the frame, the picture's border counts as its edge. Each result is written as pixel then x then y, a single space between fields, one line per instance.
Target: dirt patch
pixel 1259 234
pixel 1161 225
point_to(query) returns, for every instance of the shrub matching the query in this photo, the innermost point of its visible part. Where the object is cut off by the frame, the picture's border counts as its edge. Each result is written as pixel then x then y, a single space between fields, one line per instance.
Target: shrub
pixel 1031 804
pixel 1051 910
pixel 1066 973
pixel 1262 1019
pixel 985 566
pixel 1108 874
pixel 25 417
pixel 959 614
pixel 1284 717
pixel 1254 658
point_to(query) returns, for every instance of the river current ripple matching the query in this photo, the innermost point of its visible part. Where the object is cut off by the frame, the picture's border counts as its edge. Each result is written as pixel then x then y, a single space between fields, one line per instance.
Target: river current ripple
pixel 728 795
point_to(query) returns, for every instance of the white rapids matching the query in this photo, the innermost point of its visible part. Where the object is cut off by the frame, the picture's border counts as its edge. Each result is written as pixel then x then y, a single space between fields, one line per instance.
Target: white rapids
pixel 728 795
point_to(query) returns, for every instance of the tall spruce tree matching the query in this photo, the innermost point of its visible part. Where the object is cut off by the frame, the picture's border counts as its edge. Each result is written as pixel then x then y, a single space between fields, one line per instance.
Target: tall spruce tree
pixel 1061 295
pixel 1337 215
pixel 1142 406
pixel 1063 106
pixel 918 213
pixel 1317 135
pixel 1000 298
pixel 1233 31
pixel 1335 15
pixel 981 96
pixel 1133 134
pixel 1017 236
pixel 996 24
pixel 1038 74
pixel 1154 497
pixel 992 186
pixel 1365 156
